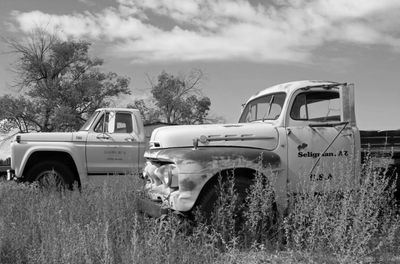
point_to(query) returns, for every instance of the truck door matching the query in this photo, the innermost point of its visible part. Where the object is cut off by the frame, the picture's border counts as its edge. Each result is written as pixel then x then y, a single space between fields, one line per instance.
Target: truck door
pixel 96 145
pixel 320 143
pixel 113 146
pixel 125 144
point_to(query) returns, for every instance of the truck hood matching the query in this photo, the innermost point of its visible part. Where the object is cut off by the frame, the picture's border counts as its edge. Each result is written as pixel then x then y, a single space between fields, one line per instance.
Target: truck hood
pixel 255 135
pixel 44 137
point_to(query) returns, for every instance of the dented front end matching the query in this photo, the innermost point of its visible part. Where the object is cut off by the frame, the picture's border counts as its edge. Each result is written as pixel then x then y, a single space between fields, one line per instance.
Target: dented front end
pixel 175 177
pixel 182 159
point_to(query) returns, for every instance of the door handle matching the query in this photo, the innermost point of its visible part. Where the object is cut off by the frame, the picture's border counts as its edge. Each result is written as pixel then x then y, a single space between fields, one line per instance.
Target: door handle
pixel 103 137
pixel 130 139
pixel 347 135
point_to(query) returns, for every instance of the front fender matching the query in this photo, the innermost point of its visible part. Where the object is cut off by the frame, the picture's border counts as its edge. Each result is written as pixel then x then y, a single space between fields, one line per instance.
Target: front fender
pixel 28 150
pixel 198 166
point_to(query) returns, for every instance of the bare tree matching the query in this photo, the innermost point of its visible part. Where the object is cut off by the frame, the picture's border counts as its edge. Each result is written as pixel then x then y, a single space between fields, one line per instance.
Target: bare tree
pixel 176 100
pixel 60 82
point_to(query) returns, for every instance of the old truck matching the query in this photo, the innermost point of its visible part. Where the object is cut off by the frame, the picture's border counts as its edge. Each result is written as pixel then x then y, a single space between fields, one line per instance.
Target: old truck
pixel 300 129
pixel 111 142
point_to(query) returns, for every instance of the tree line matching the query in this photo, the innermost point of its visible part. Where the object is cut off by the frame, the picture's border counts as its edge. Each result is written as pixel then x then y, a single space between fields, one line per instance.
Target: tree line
pixel 60 85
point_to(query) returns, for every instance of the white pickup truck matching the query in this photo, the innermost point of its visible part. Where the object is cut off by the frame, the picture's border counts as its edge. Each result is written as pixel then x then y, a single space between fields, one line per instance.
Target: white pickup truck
pixel 300 129
pixel 111 142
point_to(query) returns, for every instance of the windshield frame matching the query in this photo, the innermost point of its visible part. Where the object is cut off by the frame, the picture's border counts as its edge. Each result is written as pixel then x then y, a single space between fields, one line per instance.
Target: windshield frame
pixel 245 111
pixel 89 122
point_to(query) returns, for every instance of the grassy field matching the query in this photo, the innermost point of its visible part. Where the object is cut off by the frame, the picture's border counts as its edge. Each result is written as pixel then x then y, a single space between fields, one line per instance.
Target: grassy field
pixel 101 225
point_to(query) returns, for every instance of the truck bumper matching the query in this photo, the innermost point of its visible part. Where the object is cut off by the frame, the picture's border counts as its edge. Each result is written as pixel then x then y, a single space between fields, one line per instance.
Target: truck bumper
pixel 10 175
pixel 151 208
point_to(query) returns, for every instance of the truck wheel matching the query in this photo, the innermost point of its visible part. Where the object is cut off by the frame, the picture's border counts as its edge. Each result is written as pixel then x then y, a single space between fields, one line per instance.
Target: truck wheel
pixel 51 174
pixel 207 201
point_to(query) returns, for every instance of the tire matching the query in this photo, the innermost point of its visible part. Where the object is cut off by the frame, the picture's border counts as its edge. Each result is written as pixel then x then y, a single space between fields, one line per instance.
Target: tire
pixel 206 202
pixel 51 175
pixel 265 228
pixel 208 198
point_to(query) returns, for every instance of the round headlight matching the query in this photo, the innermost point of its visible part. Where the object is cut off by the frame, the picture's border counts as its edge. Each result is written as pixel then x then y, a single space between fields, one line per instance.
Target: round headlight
pixel 167 176
pixel 165 173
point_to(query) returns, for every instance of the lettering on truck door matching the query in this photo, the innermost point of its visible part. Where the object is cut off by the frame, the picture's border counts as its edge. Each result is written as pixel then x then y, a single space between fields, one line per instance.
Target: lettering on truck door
pixel 126 143
pixel 113 146
pixel 319 143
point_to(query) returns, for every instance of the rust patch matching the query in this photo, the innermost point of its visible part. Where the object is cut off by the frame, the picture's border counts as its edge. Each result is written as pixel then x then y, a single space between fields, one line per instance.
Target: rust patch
pixel 220 154
pixel 187 185
pixel 208 154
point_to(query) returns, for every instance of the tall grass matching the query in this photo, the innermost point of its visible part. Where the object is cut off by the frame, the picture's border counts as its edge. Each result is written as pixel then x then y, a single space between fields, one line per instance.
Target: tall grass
pixel 98 225
pixel 353 220
pixel 101 225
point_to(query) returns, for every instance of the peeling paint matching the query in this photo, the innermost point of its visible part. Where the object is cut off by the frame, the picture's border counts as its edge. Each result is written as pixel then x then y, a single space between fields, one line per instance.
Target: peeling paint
pixel 197 167
pixel 187 185
pixel 236 156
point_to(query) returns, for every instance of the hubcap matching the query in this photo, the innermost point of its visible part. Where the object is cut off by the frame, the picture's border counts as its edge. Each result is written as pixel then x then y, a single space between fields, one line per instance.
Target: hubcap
pixel 50 179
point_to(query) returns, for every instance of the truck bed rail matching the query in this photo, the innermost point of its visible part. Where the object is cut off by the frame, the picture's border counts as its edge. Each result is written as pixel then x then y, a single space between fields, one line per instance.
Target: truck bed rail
pixel 385 142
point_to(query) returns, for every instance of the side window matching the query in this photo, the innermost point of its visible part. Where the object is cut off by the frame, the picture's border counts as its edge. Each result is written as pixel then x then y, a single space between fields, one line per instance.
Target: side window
pixel 102 124
pixel 316 106
pixel 123 123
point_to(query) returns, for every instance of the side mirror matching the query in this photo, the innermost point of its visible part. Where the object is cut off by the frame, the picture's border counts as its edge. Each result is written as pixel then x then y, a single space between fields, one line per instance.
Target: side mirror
pixel 110 123
pixel 348 104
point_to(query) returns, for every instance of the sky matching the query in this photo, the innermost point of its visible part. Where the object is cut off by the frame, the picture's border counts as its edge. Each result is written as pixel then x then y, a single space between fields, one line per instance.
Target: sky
pixel 242 46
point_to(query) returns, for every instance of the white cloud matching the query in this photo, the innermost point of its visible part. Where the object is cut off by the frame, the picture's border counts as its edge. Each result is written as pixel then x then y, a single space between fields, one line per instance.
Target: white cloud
pixel 227 29
pixel 87 2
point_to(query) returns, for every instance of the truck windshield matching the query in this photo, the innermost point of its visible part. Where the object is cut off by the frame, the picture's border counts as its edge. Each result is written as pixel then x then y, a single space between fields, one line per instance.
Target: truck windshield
pixel 89 122
pixel 267 107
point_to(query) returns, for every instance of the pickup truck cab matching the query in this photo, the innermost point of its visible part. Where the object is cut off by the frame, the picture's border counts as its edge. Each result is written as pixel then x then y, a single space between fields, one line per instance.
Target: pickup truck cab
pixel 111 142
pixel 299 131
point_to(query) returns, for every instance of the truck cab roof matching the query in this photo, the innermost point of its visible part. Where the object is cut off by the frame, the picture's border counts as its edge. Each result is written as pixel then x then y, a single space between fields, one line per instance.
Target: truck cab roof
pixel 117 109
pixel 291 87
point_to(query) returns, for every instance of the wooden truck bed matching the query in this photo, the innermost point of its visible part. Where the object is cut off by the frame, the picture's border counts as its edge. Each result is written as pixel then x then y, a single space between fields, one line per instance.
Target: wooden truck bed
pixel 385 142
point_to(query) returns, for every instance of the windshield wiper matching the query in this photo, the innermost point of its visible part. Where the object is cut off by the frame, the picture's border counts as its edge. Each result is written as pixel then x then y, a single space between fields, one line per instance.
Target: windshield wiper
pixel 270 107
